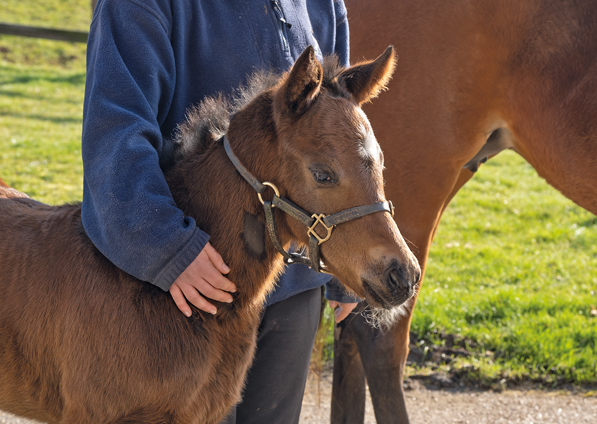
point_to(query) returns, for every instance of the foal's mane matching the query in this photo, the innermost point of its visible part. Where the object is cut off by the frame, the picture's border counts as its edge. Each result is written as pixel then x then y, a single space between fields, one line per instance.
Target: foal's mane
pixel 208 121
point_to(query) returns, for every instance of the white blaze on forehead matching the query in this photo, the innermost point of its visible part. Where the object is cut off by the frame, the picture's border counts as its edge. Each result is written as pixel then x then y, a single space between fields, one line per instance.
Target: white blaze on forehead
pixel 369 142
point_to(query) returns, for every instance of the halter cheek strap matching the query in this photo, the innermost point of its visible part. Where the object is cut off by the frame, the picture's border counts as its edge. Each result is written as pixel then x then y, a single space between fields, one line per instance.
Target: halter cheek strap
pixel 313 222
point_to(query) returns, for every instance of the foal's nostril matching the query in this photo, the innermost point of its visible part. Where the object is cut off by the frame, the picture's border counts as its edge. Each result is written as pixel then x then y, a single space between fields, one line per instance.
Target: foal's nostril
pixel 397 278
pixel 397 282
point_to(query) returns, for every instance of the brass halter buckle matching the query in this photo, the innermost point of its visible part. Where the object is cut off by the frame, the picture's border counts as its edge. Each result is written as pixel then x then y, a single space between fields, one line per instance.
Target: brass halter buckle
pixel 319 220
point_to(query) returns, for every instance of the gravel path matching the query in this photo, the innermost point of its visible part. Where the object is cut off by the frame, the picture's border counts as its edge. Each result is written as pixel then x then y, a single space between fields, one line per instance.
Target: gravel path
pixel 463 406
pixel 467 406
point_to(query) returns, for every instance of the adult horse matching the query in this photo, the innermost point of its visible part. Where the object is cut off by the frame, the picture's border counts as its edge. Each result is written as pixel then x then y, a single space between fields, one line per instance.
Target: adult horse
pixel 473 78
pixel 82 342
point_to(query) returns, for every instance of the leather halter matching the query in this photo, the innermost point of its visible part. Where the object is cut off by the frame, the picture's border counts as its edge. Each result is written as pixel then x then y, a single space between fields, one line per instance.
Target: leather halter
pixel 310 221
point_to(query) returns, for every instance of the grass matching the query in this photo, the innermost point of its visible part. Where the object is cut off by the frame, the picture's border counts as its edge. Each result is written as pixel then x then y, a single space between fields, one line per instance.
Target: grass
pixel 41 101
pixel 40 131
pixel 512 269
pixel 58 14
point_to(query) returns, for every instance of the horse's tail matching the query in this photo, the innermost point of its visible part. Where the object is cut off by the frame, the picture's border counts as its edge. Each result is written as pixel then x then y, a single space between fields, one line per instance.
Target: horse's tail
pixel 2 183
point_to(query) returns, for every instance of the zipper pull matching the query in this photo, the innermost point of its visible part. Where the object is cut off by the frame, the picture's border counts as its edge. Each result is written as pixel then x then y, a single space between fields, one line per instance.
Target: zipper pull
pixel 280 13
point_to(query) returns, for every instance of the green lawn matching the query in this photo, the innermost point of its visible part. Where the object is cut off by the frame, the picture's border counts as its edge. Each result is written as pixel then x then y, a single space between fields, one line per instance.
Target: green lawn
pixel 40 131
pixel 511 269
pixel 59 14
pixel 41 101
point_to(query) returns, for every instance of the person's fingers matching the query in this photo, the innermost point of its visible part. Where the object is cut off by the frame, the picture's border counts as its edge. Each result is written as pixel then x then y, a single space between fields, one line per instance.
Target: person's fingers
pixel 193 296
pixel 333 304
pixel 343 311
pixel 207 290
pixel 206 271
pixel 203 280
pixel 216 259
pixel 180 300
pixel 340 314
pixel 213 274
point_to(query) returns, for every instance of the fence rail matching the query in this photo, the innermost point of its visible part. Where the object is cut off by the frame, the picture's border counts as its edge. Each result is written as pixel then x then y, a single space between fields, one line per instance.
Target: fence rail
pixel 40 32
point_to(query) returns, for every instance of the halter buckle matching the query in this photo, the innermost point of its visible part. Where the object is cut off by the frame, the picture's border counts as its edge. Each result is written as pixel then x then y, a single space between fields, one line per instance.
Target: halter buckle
pixel 319 220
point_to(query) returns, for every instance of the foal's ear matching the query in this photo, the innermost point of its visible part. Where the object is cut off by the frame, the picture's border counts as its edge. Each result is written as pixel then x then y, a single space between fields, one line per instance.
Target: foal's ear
pixel 303 83
pixel 367 79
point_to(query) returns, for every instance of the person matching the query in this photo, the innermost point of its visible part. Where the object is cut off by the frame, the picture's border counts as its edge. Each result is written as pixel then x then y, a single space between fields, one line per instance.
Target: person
pixel 148 61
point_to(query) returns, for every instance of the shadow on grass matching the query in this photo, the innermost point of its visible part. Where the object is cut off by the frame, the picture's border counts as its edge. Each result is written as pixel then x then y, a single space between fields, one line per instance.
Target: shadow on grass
pixel 37 97
pixel 46 76
pixel 8 76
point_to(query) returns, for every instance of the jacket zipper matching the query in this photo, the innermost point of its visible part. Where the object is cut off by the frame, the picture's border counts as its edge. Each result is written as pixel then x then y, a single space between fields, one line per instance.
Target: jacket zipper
pixel 283 25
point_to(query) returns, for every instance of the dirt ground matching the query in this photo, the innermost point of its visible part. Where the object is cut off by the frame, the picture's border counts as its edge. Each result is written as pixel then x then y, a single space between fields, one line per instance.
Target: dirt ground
pixel 466 406
pixel 462 405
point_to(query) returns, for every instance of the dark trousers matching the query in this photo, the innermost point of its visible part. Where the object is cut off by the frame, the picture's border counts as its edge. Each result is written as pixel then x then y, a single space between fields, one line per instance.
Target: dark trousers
pixel 276 381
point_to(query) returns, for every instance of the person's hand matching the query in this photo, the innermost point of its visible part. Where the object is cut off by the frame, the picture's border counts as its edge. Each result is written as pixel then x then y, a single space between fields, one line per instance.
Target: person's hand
pixel 341 309
pixel 203 280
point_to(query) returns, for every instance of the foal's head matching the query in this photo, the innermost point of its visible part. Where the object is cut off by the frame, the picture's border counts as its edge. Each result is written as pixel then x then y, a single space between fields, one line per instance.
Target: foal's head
pixel 330 161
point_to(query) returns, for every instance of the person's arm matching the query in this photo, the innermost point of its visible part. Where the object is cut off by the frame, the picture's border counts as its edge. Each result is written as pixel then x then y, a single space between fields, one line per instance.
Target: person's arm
pixel 342 47
pixel 128 211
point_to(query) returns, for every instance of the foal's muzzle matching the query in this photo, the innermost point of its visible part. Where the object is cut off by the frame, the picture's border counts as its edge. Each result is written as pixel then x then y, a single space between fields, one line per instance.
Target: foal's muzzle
pixel 398 284
pixel 401 283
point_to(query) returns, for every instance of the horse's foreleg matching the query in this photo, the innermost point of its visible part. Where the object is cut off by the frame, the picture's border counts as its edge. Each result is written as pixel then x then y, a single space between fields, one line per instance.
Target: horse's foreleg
pixel 361 350
pixel 383 355
pixel 348 390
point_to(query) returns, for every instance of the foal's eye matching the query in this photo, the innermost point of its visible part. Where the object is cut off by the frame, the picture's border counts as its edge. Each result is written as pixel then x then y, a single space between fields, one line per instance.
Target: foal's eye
pixel 322 176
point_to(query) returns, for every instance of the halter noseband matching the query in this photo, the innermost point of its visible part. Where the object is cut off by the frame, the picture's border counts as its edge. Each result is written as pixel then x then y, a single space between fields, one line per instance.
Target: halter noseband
pixel 310 221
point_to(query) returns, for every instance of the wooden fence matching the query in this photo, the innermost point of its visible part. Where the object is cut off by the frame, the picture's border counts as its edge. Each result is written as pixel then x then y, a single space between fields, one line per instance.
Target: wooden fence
pixel 40 32
pixel 49 33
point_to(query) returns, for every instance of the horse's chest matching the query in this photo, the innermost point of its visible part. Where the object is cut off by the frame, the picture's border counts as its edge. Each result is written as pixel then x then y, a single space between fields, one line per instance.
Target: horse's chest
pixel 224 374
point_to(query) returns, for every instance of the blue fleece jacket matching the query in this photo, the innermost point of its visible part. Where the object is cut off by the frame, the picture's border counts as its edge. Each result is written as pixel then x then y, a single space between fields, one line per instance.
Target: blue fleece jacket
pixel 148 61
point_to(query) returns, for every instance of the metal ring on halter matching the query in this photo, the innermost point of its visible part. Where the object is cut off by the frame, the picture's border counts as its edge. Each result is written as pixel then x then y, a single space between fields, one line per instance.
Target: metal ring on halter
pixel 273 187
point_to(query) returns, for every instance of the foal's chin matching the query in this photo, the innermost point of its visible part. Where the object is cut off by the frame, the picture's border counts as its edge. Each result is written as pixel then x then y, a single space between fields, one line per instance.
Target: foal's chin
pixel 384 318
pixel 387 304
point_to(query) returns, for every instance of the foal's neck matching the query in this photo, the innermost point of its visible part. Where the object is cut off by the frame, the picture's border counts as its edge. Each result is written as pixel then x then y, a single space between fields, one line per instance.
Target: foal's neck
pixel 209 189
